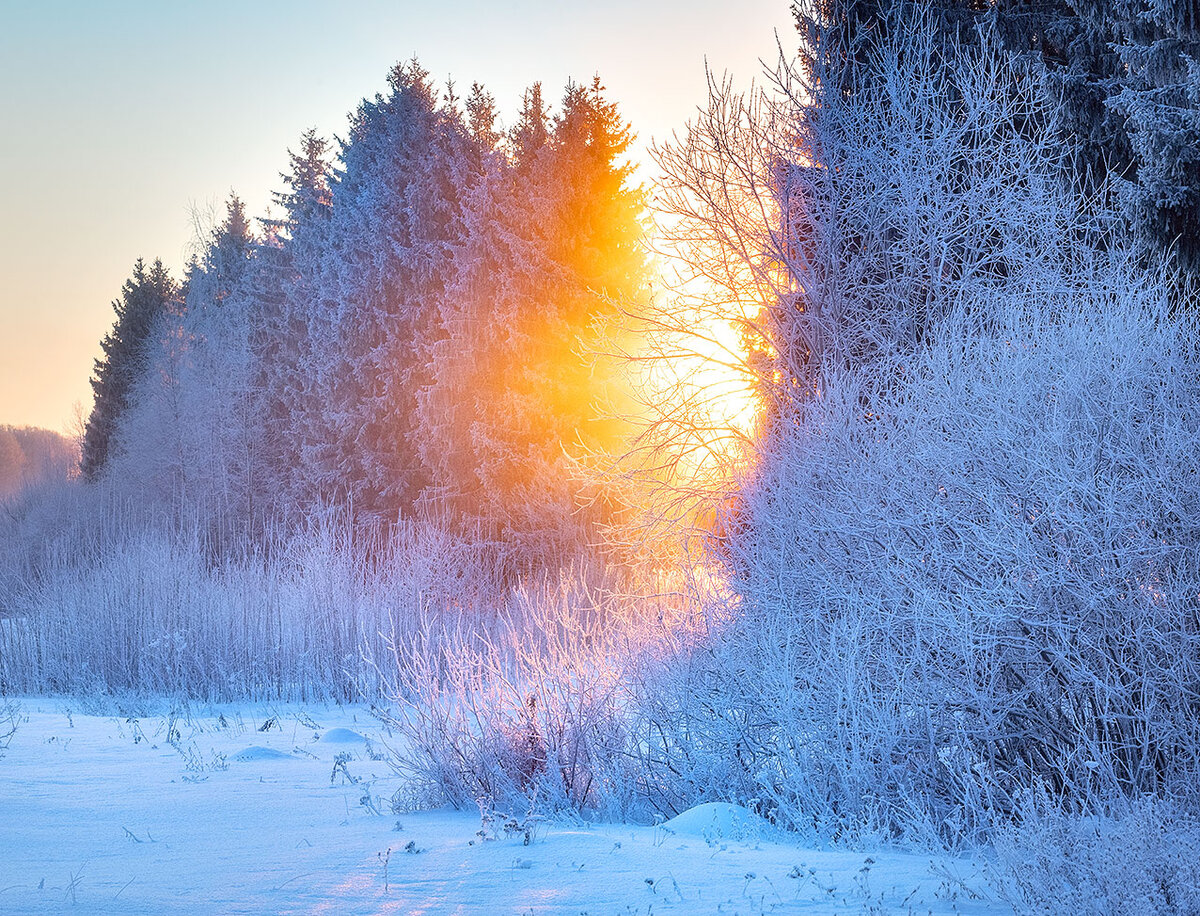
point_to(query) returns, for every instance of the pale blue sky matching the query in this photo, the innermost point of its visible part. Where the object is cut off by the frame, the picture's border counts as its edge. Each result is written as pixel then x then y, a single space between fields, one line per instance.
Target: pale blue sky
pixel 120 117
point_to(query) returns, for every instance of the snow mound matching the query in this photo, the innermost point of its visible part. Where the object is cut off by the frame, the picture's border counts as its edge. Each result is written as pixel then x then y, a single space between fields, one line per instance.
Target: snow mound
pixel 717 821
pixel 343 736
pixel 258 752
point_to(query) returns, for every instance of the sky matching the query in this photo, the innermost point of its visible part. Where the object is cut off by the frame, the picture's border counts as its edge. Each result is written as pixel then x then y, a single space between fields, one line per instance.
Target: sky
pixel 124 119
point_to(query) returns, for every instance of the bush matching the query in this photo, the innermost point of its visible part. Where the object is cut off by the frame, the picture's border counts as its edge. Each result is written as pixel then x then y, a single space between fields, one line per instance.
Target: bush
pixel 1142 857
pixel 974 574
pixel 9 713
pixel 529 709
pixel 962 566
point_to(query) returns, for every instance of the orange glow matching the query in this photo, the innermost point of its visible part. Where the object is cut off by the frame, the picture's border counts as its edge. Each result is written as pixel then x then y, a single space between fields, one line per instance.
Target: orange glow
pixel 700 391
pixel 721 372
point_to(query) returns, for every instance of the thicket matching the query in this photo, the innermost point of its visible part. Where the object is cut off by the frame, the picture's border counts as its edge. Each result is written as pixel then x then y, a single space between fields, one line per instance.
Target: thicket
pixel 962 564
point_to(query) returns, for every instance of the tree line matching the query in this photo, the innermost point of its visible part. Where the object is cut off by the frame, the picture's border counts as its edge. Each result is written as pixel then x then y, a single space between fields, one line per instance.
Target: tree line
pixel 29 456
pixel 415 331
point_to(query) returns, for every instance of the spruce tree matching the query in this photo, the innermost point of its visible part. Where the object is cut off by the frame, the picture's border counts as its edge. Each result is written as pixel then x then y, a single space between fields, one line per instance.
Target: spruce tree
pixel 280 333
pixel 1155 95
pixel 215 378
pixel 516 394
pixel 572 259
pixel 1123 77
pixel 186 437
pixel 145 298
pixel 395 216
pixel 532 130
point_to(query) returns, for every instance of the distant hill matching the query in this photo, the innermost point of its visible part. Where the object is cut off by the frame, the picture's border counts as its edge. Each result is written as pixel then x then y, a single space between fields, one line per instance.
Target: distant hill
pixel 29 455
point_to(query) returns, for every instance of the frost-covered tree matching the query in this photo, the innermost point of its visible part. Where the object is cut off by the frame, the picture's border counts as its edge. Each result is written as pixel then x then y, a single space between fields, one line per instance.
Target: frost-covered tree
pixel 521 389
pixel 280 342
pixel 375 288
pixel 482 118
pixel 491 260
pixel 187 441
pixel 1155 96
pixel 532 130
pixel 12 462
pixel 219 379
pixel 1122 80
pixel 145 298
pixel 571 388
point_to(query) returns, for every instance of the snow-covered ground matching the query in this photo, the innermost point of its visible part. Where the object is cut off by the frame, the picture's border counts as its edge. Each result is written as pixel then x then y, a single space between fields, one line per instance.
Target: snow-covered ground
pixel 284 809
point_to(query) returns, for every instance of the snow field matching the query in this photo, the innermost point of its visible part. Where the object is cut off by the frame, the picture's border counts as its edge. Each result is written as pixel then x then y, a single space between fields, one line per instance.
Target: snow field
pixel 203 811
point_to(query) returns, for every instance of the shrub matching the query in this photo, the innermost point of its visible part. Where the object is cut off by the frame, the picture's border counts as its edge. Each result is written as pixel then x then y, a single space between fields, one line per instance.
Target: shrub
pixel 1140 857
pixel 962 566
pixel 525 710
pixel 975 574
pixel 9 713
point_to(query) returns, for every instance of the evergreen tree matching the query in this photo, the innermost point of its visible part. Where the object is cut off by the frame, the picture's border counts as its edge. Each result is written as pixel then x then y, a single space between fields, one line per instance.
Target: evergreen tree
pixel 215 379
pixel 1124 81
pixel 395 216
pixel 418 330
pixel 280 336
pixel 1123 76
pixel 493 285
pixel 187 439
pixel 593 235
pixel 481 119
pixel 145 298
pixel 1155 95
pixel 307 194
pixel 532 130
pixel 552 248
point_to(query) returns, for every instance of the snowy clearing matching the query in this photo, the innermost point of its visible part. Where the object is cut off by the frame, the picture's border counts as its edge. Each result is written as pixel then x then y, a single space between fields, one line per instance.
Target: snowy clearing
pixel 104 814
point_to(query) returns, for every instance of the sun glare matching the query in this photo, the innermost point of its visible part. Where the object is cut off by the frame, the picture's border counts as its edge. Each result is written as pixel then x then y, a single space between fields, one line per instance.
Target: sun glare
pixel 703 398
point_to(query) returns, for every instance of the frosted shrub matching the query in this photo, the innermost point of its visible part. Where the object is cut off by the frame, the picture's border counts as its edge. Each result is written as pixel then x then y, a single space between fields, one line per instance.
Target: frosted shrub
pixel 973 573
pixel 689 743
pixel 9 713
pixel 110 600
pixel 1142 857
pixel 528 711
pixel 962 566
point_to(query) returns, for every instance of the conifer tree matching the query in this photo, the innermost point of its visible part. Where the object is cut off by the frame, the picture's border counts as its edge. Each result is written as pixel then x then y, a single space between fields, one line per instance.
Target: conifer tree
pixel 532 130
pixel 395 215
pixel 481 119
pixel 187 438
pixel 563 254
pixel 1123 77
pixel 1154 94
pixel 280 335
pixel 217 378
pixel 145 298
